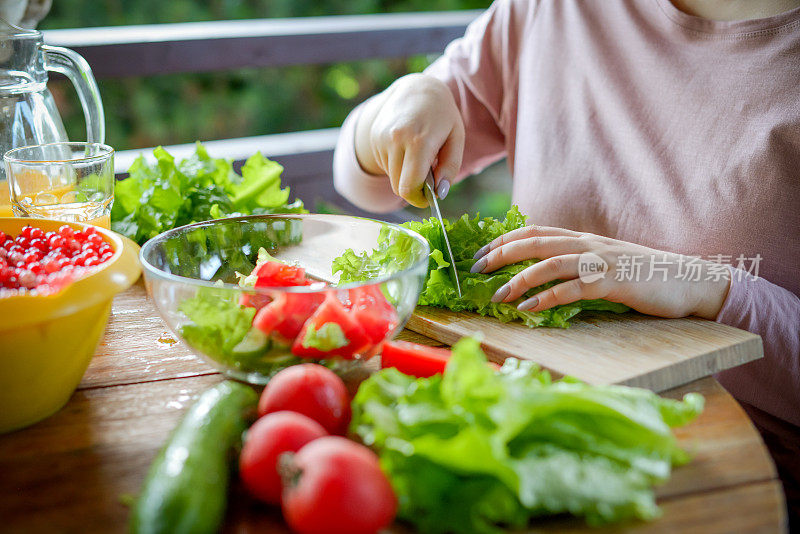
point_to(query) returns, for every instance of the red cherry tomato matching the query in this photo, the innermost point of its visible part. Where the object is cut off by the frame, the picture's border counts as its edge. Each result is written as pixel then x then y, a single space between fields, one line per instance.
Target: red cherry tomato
pixel 266 440
pixel 312 390
pixel 334 485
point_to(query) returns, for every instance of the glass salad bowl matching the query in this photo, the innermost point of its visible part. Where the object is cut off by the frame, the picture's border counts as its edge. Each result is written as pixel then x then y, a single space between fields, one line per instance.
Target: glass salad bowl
pixel 255 294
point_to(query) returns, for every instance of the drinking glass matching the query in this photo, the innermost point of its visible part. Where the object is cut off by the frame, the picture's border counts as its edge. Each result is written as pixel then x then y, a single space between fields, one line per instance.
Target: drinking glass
pixel 65 181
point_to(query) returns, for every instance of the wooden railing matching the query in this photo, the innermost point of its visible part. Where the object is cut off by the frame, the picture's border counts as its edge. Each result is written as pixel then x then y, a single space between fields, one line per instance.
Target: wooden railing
pixel 144 50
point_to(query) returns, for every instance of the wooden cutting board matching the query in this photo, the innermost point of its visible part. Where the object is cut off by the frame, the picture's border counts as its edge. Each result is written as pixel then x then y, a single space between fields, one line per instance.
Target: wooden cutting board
pixel 604 348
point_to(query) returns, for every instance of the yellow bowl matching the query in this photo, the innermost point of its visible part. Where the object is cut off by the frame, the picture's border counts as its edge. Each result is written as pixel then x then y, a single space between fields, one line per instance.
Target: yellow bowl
pixel 46 341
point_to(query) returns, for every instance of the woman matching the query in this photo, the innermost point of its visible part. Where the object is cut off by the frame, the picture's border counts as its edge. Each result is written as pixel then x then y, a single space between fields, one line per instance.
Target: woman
pixel 633 129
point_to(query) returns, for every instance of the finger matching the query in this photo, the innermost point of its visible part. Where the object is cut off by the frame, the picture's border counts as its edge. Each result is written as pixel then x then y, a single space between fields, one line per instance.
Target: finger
pixel 555 268
pixel 524 233
pixel 414 171
pixel 394 166
pixel 448 161
pixel 563 293
pixel 525 249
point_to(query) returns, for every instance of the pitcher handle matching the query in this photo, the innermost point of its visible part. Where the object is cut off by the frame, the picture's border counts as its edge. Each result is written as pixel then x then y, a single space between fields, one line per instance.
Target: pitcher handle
pixel 73 66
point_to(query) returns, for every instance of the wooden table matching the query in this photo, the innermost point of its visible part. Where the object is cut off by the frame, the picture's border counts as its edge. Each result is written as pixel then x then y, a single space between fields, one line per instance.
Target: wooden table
pixel 73 471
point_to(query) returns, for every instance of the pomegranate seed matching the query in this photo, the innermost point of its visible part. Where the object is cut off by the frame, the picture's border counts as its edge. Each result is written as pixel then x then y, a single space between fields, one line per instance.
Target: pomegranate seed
pixel 31 256
pixel 27 279
pixel 15 257
pixel 39 243
pixel 56 241
pixel 36 268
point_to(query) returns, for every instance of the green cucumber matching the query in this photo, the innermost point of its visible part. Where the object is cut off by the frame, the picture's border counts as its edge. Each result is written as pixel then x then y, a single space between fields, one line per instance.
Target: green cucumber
pixel 253 344
pixel 186 487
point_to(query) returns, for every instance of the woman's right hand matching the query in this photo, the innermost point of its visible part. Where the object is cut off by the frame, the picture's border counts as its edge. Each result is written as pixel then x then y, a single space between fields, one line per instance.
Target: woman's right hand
pixel 411 127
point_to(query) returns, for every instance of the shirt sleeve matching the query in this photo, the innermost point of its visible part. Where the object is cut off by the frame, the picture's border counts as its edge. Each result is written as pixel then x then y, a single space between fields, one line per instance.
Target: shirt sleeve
pixel 366 191
pixel 479 68
pixel 481 71
pixel 771 384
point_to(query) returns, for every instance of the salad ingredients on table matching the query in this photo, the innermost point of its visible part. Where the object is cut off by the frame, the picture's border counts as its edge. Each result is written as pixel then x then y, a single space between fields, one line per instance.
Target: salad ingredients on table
pixel 186 486
pixel 473 449
pixel 265 441
pixel 467 235
pixel 166 194
pixel 44 262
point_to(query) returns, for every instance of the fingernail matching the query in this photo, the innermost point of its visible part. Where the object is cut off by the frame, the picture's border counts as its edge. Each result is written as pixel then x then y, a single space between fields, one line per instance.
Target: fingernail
pixel 478 266
pixel 528 304
pixel 501 294
pixel 481 252
pixel 442 189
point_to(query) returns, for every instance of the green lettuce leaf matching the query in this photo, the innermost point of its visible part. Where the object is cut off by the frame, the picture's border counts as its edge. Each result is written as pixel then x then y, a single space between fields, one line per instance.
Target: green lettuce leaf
pixel 159 196
pixel 218 321
pixel 475 449
pixel 327 337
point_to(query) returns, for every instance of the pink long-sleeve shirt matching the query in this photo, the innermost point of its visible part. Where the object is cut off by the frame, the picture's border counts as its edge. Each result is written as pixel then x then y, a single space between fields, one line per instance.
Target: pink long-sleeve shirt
pixel 634 120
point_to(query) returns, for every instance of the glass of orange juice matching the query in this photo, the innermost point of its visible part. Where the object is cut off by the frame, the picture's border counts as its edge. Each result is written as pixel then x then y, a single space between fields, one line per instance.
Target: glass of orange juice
pixel 66 181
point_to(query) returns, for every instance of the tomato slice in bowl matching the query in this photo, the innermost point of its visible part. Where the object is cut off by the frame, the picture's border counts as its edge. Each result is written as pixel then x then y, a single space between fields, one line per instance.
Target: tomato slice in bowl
pixel 331 331
pixel 373 312
pixel 278 274
pixel 284 317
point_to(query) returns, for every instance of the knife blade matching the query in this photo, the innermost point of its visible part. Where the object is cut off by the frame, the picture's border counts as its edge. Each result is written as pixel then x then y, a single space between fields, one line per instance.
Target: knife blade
pixel 430 196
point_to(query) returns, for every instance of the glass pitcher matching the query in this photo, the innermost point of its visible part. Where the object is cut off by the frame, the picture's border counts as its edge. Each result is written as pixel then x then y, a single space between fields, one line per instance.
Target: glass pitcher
pixel 28 114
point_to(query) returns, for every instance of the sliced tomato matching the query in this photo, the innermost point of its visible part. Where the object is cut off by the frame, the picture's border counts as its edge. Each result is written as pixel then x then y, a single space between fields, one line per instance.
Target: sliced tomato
pixel 414 359
pixel 277 274
pixel 254 300
pixel 373 312
pixel 337 318
pixel 284 317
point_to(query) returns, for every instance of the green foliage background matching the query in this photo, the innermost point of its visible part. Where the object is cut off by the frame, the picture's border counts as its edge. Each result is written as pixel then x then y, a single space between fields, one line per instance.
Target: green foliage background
pixel 180 108
pixel 168 109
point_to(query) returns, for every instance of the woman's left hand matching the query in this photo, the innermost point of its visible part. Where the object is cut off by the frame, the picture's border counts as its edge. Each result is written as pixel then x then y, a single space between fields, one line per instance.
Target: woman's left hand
pixel 595 267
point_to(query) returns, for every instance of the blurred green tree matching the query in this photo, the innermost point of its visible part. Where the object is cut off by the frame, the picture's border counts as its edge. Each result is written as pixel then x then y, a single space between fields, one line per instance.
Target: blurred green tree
pixel 179 108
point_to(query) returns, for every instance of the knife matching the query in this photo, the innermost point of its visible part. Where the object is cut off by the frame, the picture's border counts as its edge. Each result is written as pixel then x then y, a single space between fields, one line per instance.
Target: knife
pixel 430 196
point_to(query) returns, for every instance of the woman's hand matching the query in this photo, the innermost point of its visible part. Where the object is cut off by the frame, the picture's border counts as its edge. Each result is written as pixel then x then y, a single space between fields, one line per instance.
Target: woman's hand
pixel 594 267
pixel 408 129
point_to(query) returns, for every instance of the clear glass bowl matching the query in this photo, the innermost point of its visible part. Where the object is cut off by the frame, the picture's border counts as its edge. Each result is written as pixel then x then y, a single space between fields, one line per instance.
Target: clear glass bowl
pixel 249 333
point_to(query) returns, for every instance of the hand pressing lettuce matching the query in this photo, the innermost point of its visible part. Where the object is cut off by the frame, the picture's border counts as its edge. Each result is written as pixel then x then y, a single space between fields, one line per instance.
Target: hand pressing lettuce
pixel 475 449
pixel 166 194
pixel 466 235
